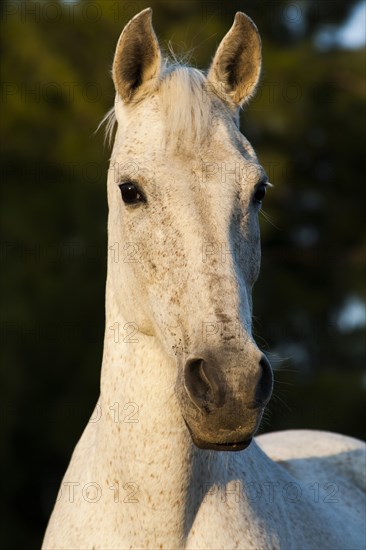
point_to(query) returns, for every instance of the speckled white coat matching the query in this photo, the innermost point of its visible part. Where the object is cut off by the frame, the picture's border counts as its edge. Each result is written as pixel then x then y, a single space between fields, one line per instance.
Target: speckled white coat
pixel 136 480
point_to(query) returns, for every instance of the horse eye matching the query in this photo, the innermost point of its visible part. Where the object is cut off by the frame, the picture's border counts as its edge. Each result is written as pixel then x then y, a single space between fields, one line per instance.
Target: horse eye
pixel 260 193
pixel 130 193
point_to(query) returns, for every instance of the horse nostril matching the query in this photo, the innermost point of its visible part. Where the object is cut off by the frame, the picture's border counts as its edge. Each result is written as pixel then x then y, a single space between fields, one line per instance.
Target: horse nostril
pixel 265 384
pixel 201 385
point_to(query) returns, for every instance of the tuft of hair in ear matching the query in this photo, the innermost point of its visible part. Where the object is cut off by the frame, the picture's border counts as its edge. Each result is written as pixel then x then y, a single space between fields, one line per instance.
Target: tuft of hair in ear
pixel 235 69
pixel 137 60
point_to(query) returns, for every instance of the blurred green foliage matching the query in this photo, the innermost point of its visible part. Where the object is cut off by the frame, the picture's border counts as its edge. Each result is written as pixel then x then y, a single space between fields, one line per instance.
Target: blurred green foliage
pixel 306 124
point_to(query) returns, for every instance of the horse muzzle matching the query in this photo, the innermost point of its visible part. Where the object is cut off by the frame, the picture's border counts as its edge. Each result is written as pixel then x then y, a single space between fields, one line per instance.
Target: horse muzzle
pixel 222 398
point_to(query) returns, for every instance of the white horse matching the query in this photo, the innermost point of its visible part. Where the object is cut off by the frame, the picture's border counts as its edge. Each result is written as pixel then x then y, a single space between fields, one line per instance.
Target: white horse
pixel 183 381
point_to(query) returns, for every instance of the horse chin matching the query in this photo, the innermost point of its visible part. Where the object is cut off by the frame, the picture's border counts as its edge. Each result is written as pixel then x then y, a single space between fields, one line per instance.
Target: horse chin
pixel 238 445
pixel 212 446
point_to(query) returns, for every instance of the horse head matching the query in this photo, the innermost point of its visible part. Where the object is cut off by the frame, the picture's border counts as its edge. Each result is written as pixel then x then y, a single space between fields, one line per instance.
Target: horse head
pixel 185 189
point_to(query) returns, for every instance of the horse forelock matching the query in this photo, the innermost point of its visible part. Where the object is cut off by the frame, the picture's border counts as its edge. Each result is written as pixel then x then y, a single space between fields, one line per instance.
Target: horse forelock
pixel 186 101
pixel 186 105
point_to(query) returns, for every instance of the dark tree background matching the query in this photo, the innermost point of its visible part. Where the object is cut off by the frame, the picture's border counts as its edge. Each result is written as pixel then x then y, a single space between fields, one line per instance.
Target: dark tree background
pixel 306 124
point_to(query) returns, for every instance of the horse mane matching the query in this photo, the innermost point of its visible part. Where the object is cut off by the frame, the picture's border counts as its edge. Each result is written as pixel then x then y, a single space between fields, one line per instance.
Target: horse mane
pixel 110 122
pixel 186 103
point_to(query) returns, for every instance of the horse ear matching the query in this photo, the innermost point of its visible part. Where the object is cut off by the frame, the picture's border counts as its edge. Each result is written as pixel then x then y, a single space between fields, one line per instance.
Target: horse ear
pixel 137 59
pixel 236 67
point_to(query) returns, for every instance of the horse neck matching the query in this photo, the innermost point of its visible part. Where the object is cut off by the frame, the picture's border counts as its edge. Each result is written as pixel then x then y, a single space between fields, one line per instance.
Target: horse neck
pixel 142 440
pixel 143 445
